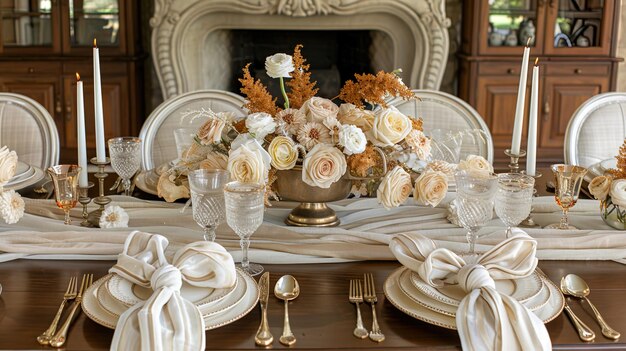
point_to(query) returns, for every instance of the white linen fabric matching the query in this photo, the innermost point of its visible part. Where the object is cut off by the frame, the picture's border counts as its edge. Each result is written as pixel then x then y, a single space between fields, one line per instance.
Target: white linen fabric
pixel 166 320
pixel 485 319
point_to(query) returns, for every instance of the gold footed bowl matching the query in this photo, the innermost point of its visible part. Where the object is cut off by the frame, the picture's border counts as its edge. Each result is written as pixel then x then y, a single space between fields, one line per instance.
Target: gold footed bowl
pixel 312 211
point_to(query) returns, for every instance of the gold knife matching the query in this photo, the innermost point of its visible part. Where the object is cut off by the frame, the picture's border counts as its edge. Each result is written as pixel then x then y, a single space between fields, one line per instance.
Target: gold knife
pixel 263 336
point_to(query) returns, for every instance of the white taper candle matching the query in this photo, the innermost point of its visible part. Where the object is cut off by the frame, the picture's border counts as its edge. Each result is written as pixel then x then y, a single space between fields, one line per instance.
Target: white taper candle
pixel 97 97
pixel 80 128
pixel 531 156
pixel 521 102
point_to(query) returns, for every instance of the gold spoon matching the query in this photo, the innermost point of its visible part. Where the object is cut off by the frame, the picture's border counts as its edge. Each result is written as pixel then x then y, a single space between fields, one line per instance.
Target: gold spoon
pixel 577 287
pixel 287 289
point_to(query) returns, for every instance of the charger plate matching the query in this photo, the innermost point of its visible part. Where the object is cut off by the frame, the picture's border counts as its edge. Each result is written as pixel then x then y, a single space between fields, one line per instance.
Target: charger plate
pixel 22 171
pixel 29 180
pixel 143 182
pixel 221 313
pixel 404 303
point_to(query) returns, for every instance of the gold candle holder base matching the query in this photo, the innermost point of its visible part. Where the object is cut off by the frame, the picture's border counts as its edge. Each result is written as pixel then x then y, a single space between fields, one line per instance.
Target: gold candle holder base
pixel 84 200
pixel 529 222
pixel 514 164
pixel 94 216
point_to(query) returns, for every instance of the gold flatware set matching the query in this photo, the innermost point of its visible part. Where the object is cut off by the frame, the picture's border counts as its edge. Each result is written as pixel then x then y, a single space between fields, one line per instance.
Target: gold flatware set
pixel 56 338
pixel 286 289
pixel 367 294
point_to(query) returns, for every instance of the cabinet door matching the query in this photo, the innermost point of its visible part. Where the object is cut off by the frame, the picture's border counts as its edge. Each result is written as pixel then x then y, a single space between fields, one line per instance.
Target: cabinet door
pixel 30 27
pixel 563 95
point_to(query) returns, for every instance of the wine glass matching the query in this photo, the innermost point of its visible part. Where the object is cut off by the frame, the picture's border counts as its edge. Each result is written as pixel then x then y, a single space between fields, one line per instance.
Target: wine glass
pixel 474 201
pixel 184 139
pixel 207 198
pixel 125 153
pixel 245 203
pixel 65 180
pixel 568 180
pixel 514 198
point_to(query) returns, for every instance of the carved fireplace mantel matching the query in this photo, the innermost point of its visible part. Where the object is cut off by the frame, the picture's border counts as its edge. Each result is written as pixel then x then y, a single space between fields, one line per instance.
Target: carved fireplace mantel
pixel 190 37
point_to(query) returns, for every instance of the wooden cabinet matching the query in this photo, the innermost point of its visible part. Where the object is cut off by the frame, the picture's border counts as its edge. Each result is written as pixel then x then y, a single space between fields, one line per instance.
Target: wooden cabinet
pixel 47 43
pixel 575 44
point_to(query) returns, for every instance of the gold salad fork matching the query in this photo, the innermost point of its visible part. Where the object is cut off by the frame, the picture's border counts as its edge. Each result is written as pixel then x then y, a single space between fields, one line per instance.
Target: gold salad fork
pixel 356 297
pixel 370 296
pixel 59 338
pixel 70 294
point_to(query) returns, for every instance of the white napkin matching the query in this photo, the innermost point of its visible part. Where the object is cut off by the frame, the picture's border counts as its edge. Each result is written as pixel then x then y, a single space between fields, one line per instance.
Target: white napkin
pixel 166 320
pixel 485 319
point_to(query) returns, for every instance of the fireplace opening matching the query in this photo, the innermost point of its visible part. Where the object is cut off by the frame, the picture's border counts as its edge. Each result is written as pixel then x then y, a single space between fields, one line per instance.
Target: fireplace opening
pixel 334 56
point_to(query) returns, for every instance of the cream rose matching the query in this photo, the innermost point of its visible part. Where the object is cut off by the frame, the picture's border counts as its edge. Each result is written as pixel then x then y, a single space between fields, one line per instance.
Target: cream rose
pixel 350 114
pixel 211 131
pixel 317 109
pixel 430 188
pixel 323 166
pixel 394 188
pixel 618 192
pixel 352 139
pixel 250 163
pixel 475 163
pixel 8 163
pixel 279 65
pixel 419 144
pixel 600 186
pixel 390 127
pixel 283 152
pixel 260 124
pixel 214 160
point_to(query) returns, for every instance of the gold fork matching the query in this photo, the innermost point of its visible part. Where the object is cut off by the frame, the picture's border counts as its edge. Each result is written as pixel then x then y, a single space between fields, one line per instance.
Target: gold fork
pixel 70 294
pixel 59 338
pixel 370 296
pixel 356 297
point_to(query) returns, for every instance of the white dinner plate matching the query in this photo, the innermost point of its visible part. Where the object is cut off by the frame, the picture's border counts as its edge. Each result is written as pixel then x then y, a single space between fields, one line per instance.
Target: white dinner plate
pixel 29 181
pixel 223 312
pixel 22 171
pixel 404 303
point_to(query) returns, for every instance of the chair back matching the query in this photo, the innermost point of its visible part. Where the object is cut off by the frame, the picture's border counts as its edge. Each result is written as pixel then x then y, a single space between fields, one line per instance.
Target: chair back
pixel 444 112
pixel 27 128
pixel 157 133
pixel 596 130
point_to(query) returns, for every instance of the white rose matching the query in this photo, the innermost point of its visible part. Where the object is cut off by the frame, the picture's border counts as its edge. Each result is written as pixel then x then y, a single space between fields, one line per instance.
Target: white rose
pixel 430 188
pixel 390 127
pixel 475 163
pixel 260 124
pixel 211 131
pixel 352 139
pixel 8 163
pixel 599 187
pixel 214 160
pixel 350 114
pixel 394 188
pixel 317 109
pixel 618 192
pixel 279 65
pixel 250 163
pixel 240 140
pixel 419 144
pixel 323 166
pixel 283 152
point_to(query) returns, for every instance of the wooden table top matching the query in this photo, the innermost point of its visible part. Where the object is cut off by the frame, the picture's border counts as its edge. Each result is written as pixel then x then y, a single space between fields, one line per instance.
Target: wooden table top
pixel 321 317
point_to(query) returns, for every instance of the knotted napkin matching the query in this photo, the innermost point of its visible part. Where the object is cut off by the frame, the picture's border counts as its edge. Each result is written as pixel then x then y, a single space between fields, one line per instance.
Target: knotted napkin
pixel 166 320
pixel 485 319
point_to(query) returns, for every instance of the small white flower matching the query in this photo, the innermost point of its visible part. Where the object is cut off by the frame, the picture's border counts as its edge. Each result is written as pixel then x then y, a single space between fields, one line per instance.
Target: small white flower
pixel 333 125
pixel 419 144
pixel 279 65
pixel 260 124
pixel 113 217
pixel 618 192
pixel 11 206
pixel 352 139
pixel 313 133
pixel 290 120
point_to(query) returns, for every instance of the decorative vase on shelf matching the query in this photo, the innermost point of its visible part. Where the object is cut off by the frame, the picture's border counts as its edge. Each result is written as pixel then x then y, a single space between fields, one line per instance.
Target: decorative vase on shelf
pixel 613 215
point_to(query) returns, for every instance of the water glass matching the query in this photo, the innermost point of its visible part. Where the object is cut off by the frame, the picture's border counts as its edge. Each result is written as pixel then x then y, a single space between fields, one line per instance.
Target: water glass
pixel 474 201
pixel 245 204
pixel 568 180
pixel 125 153
pixel 65 180
pixel 514 198
pixel 207 198
pixel 183 138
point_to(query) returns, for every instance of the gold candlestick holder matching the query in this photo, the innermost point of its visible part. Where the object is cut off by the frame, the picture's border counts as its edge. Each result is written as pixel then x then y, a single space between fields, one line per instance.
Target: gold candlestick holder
pixel 101 200
pixel 514 164
pixel 529 222
pixel 84 200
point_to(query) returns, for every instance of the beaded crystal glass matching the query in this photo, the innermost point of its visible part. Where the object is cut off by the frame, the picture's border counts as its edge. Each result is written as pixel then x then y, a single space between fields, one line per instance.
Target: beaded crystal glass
pixel 514 198
pixel 207 198
pixel 65 181
pixel 125 154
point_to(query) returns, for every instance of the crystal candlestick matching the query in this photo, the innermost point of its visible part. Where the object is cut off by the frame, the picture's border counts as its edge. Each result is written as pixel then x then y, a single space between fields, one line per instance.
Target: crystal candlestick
pixel 514 164
pixel 84 200
pixel 101 200
pixel 529 222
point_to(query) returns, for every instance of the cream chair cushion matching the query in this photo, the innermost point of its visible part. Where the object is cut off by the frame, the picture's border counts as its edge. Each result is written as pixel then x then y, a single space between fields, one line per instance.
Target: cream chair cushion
pixel 157 133
pixel 27 128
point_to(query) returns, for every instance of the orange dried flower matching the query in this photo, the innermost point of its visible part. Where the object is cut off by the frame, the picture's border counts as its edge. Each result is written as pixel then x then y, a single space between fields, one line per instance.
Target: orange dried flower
pixel 418 124
pixel 373 89
pixel 258 98
pixel 620 172
pixel 300 86
pixel 240 126
pixel 361 164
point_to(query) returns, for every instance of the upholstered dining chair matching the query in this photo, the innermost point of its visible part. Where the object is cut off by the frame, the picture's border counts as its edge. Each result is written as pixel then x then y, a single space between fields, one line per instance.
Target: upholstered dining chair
pixel 444 112
pixel 157 132
pixel 596 130
pixel 27 128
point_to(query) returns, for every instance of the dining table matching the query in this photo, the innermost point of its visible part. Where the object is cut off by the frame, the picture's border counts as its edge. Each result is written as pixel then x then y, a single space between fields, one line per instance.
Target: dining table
pixel 40 254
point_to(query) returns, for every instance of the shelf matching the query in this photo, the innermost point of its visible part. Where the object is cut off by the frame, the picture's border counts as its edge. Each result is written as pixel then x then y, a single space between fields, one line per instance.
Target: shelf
pixel 514 13
pixel 581 14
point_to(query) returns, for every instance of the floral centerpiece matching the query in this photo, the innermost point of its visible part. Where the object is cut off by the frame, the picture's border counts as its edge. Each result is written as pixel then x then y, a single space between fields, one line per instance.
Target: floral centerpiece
pixel 610 189
pixel 361 140
pixel 11 203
